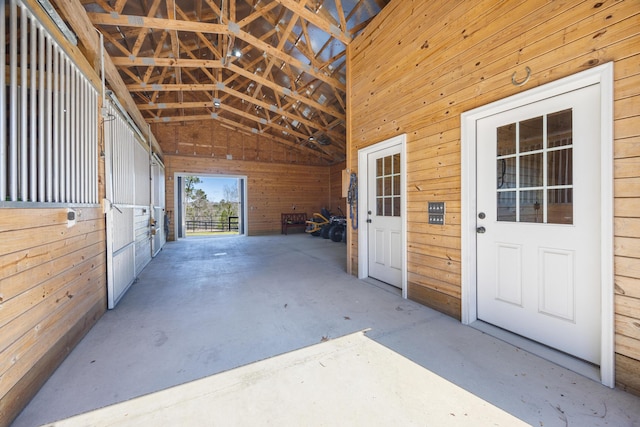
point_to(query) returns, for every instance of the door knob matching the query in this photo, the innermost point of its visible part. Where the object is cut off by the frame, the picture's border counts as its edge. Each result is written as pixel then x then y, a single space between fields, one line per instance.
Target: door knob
pixel 481 230
pixel 369 220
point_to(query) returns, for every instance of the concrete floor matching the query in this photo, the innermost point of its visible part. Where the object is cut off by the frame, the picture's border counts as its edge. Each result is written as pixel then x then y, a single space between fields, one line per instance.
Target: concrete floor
pixel 207 305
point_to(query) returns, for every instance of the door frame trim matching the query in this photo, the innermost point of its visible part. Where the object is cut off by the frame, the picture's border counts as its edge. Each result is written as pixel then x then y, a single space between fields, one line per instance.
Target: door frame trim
pixel 602 75
pixel 363 237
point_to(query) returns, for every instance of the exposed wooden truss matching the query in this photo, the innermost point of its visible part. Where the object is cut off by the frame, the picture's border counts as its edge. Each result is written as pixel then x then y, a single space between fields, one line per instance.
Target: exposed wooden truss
pixel 270 67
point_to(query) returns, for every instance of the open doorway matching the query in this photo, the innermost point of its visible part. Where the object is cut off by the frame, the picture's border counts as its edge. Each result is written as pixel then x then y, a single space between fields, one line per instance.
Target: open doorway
pixel 210 205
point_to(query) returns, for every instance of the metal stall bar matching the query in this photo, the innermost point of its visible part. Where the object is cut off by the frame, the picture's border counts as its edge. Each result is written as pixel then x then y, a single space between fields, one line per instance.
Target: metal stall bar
pixel 72 152
pixel 23 155
pixel 49 137
pixel 41 114
pixel 90 153
pixel 82 141
pixel 66 95
pixel 56 104
pixel 33 101
pixel 3 109
pixel 49 69
pixel 13 102
pixel 93 144
pixel 88 160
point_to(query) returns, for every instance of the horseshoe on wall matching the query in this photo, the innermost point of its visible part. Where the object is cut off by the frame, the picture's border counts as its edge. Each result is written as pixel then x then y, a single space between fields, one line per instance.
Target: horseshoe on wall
pixel 526 79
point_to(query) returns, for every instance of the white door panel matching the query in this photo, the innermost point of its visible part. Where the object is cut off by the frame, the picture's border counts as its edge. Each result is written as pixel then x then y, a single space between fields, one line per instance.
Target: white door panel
pixel 127 192
pixel 123 272
pixel 556 284
pixel 384 221
pixel 396 249
pixel 509 273
pixel 538 247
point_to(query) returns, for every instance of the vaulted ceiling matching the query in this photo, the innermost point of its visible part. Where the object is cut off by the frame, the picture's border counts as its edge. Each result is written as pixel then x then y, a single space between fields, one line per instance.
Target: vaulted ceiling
pixel 276 68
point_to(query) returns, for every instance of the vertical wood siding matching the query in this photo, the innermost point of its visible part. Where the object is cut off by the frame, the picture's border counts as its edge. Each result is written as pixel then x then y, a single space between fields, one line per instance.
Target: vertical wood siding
pixel 419 65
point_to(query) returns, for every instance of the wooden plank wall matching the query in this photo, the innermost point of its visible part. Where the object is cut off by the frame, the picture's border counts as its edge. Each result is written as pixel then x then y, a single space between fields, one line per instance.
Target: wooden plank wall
pixel 211 139
pixel 419 65
pixel 52 290
pixel 52 279
pixel 335 198
pixel 272 188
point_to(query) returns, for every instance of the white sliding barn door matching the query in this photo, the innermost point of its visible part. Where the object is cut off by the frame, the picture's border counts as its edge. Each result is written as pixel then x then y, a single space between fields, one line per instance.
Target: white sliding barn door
pixel 158 207
pixel 127 205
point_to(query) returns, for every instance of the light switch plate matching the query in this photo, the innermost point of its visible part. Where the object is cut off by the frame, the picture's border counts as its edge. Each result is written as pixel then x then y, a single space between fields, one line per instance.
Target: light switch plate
pixel 436 212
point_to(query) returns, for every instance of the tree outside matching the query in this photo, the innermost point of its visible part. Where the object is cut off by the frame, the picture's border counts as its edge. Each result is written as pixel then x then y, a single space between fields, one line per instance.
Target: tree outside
pixel 204 216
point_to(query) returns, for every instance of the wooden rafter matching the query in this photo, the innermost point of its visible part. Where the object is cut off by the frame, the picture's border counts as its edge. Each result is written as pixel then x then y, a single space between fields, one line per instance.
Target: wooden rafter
pixel 206 63
pixel 248 129
pixel 203 27
pixel 136 88
pixel 316 20
pixel 287 83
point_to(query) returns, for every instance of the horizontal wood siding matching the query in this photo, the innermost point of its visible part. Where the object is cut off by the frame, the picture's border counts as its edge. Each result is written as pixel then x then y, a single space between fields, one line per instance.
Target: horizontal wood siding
pixel 336 200
pixel 419 65
pixel 271 188
pixel 52 290
pixel 211 139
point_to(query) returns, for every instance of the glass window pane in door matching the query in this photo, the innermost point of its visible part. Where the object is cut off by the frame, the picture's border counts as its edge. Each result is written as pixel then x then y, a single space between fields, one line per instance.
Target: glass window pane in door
pixel 531 134
pixel 560 129
pixel 560 167
pixel 531 206
pixel 396 185
pixel 388 188
pixel 396 164
pixel 507 206
pixel 387 165
pixel 506 136
pixel 506 172
pixel 560 206
pixel 531 170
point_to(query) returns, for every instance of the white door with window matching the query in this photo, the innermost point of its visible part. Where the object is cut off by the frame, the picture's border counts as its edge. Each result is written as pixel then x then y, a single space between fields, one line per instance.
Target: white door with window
pixel 384 222
pixel 538 221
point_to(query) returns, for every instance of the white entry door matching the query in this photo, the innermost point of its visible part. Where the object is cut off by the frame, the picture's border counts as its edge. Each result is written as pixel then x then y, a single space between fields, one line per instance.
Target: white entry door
pixel 384 222
pixel 538 222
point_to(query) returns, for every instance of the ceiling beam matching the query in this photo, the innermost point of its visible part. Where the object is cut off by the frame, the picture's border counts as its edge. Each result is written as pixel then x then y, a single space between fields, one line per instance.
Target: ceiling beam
pixel 316 20
pixel 122 61
pixel 74 13
pixel 206 88
pixel 204 27
pixel 248 129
